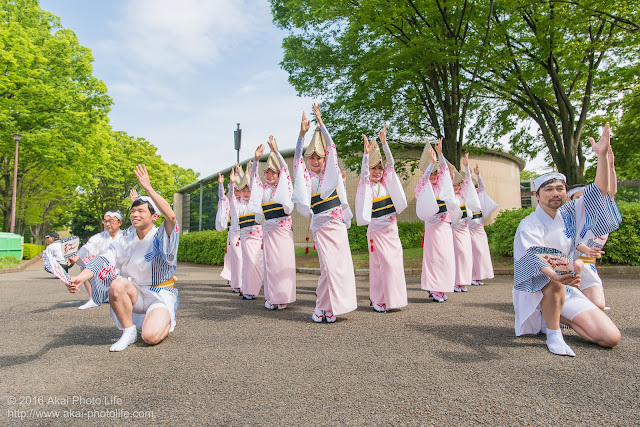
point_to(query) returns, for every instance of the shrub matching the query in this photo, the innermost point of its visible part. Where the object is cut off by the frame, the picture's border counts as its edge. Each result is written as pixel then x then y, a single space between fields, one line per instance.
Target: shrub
pixel 621 248
pixel 30 250
pixel 503 230
pixel 203 247
pixel 410 235
pixel 623 244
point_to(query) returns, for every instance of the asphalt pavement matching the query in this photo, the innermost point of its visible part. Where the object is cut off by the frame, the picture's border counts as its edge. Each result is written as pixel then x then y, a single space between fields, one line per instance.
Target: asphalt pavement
pixel 232 362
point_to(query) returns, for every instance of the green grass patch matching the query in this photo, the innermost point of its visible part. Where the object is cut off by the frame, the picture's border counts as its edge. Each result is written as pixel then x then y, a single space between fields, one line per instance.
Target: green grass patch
pixel 9 262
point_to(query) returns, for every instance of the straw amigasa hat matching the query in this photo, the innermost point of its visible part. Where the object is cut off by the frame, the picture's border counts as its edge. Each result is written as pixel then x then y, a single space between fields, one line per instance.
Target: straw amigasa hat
pixel 318 144
pixel 272 161
pixel 244 182
pixel 374 155
pixel 425 158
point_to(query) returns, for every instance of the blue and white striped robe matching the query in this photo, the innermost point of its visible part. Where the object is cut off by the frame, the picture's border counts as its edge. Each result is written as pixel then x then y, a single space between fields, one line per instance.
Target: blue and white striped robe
pixel 593 214
pixel 97 245
pixel 147 262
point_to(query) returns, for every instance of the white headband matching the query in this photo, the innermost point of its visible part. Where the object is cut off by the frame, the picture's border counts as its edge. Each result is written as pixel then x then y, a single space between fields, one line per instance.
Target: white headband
pixel 115 214
pixel 574 191
pixel 148 199
pixel 546 177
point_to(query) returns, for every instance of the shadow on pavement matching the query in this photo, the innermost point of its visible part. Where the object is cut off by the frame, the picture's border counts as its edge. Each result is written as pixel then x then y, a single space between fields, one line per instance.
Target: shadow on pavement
pixel 60 305
pixel 77 335
pixel 221 304
pixel 483 343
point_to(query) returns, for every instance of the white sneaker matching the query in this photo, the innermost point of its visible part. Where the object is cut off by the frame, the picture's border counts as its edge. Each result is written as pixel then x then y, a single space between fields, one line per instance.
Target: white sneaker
pixel 329 316
pixel 269 306
pixel 88 304
pixel 129 336
pixel 317 315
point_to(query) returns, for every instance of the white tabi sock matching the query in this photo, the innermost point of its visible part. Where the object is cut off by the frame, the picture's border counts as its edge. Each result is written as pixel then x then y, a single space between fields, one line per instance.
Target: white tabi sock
pixel 570 352
pixel 556 344
pixel 88 304
pixel 129 336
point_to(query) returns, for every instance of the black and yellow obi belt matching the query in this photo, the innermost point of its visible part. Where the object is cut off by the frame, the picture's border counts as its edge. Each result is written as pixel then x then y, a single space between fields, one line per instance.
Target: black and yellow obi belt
pixel 442 206
pixel 477 215
pixel 273 210
pixel 382 206
pixel 229 222
pixel 320 205
pixel 247 220
pixel 463 208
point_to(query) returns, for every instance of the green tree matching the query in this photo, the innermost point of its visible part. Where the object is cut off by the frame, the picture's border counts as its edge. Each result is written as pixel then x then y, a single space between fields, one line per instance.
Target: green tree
pixel 625 142
pixel 551 65
pixel 48 94
pixel 112 176
pixel 412 63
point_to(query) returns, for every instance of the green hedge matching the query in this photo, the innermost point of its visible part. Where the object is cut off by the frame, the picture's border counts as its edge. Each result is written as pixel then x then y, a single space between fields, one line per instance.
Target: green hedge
pixel 621 248
pixel 207 247
pixel 410 235
pixel 203 247
pixel 503 230
pixel 30 250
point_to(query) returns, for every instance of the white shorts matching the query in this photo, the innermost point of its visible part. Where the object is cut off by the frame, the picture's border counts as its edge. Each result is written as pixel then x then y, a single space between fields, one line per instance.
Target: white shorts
pixel 149 300
pixel 589 277
pixel 575 303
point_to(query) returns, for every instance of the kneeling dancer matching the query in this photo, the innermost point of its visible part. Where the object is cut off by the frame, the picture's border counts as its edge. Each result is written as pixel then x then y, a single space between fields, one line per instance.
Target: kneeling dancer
pixel 543 297
pixel 139 271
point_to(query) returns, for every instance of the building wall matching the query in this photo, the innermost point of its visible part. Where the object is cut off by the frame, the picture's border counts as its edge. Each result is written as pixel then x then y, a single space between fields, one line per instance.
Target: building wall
pixel 500 172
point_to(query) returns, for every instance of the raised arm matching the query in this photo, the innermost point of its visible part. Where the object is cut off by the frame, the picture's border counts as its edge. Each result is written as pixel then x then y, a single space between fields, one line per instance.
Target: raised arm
pixel 220 186
pixel 444 168
pixel 254 166
pixel 476 170
pixel 364 174
pixel 323 128
pixel 613 177
pixel 232 197
pixel 305 124
pixel 601 148
pixel 161 203
pixel 465 163
pixel 316 112
pixel 385 146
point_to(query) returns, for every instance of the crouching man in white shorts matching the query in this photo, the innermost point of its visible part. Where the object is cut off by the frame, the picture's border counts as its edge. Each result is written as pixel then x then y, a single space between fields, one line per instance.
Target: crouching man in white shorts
pixel 139 271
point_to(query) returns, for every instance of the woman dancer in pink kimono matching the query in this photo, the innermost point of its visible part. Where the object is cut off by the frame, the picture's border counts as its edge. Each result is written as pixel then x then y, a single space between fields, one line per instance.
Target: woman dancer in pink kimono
pixel 321 192
pixel 379 199
pixel 467 200
pixel 435 204
pixel 232 268
pixel 482 266
pixel 273 201
pixel 250 236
